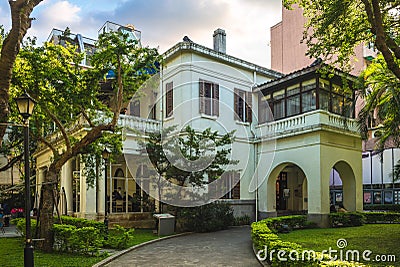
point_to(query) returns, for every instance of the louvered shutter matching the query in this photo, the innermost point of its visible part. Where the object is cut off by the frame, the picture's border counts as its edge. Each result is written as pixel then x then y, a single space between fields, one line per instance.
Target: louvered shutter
pixel 215 100
pixel 201 96
pixel 169 99
pixel 249 113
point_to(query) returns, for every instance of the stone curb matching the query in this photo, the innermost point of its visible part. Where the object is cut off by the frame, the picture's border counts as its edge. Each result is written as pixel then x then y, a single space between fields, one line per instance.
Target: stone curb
pixel 120 253
pixel 262 263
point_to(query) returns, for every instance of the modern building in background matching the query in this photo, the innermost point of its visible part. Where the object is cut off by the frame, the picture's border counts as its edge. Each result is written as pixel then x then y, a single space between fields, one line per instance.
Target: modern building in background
pixel 288 54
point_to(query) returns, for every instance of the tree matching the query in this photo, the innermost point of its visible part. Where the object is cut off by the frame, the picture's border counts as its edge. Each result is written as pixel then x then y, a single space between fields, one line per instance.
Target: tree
pixel 382 101
pixel 21 22
pixel 74 100
pixel 187 158
pixel 336 27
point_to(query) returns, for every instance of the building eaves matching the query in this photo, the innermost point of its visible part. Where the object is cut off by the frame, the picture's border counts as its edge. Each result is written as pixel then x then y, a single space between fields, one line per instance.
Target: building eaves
pixel 304 71
pixel 190 46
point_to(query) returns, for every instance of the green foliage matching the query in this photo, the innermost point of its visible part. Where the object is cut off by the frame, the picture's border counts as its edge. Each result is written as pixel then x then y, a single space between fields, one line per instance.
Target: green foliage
pixel 206 146
pixel 206 218
pixel 288 223
pixel 242 220
pixel 346 219
pixel 272 248
pixel 381 94
pixel 21 225
pixel 382 217
pixel 120 238
pixel 81 222
pixel 383 207
pixel 86 240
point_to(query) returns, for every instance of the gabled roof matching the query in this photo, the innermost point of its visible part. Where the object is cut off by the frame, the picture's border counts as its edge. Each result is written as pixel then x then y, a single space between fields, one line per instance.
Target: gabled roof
pixel 191 46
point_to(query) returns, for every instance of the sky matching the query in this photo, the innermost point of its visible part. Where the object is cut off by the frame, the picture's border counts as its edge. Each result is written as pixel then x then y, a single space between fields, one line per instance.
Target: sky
pixel 163 23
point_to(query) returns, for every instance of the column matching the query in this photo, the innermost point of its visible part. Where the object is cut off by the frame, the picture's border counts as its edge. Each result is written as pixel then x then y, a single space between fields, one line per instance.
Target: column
pixel 88 196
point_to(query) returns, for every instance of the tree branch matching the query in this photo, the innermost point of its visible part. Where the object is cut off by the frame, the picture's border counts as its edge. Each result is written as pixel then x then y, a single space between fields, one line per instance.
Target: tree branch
pixel 12 162
pixel 62 129
pixel 375 18
pixel 85 115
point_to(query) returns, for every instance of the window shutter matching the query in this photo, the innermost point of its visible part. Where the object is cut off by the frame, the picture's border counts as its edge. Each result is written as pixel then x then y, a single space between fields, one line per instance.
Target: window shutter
pixel 236 188
pixel 249 113
pixel 169 99
pixel 215 100
pixel 201 96
pixel 236 104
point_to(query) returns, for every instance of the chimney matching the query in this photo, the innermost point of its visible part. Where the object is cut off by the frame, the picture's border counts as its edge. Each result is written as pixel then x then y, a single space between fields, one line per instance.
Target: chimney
pixel 220 41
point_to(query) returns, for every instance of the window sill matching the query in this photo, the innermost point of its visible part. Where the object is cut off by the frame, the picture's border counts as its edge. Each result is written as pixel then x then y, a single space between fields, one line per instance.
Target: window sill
pixel 169 118
pixel 205 116
pixel 242 123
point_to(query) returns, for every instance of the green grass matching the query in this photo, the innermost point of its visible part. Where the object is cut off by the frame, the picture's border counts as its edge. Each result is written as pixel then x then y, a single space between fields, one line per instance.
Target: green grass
pixel 12 253
pixel 382 239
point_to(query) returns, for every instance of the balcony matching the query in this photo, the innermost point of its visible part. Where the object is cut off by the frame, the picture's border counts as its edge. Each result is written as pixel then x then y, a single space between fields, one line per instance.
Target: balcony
pixel 139 124
pixel 308 122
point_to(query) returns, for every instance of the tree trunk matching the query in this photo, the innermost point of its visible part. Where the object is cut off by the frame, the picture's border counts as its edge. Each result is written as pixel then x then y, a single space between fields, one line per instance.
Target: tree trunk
pixel 46 217
pixel 21 22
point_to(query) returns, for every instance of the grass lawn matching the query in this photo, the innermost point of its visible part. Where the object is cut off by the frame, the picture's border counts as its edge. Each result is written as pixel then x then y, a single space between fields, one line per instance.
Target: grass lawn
pixel 12 253
pixel 381 239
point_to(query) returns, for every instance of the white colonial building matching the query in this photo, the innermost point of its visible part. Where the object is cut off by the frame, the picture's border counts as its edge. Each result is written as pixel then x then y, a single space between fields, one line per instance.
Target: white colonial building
pixel 292 133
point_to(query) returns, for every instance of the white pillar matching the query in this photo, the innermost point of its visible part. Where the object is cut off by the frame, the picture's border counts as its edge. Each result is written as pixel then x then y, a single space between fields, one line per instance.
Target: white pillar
pixel 66 182
pixel 88 196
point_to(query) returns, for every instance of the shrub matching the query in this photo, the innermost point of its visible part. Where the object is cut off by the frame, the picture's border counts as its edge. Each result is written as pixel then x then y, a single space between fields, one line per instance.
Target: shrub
pixel 242 220
pixel 81 222
pixel 21 225
pixel 206 218
pixel 383 207
pixel 346 219
pixel 288 223
pixel 266 242
pixel 382 217
pixel 120 238
pixel 86 240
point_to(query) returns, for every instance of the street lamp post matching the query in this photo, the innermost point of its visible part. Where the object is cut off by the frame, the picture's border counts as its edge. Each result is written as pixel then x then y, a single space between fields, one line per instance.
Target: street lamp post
pixel 25 107
pixel 105 155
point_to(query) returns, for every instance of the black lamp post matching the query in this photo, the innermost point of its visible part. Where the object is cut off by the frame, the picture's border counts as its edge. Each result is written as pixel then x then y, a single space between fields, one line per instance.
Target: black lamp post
pixel 25 107
pixel 105 154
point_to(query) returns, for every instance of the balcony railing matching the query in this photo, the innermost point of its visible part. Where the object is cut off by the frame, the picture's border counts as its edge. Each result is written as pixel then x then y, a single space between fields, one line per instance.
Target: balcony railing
pixel 139 124
pixel 314 120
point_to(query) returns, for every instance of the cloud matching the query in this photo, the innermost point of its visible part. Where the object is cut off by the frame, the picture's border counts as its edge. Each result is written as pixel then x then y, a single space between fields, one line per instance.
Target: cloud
pixel 49 15
pixel 164 23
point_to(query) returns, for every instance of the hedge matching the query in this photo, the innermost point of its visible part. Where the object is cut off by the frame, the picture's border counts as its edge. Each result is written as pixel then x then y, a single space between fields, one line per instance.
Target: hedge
pixel 266 241
pixel 346 219
pixel 383 207
pixel 382 217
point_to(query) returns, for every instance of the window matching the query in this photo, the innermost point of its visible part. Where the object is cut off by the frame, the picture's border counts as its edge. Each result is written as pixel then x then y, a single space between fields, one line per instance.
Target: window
pixel 169 100
pixel 209 98
pixel 231 180
pixel 308 101
pixel 309 95
pixel 279 104
pixel 134 108
pixel 242 104
pixel 293 100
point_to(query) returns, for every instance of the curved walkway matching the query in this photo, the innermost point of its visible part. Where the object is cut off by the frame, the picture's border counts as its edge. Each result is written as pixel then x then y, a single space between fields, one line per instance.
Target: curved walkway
pixel 231 247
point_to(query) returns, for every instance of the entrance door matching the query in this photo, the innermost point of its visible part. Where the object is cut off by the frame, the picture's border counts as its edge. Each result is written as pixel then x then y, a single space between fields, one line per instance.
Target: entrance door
pixel 281 184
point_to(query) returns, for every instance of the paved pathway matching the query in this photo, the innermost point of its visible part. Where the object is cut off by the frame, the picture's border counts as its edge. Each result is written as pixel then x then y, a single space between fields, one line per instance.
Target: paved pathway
pixel 224 248
pixel 10 231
